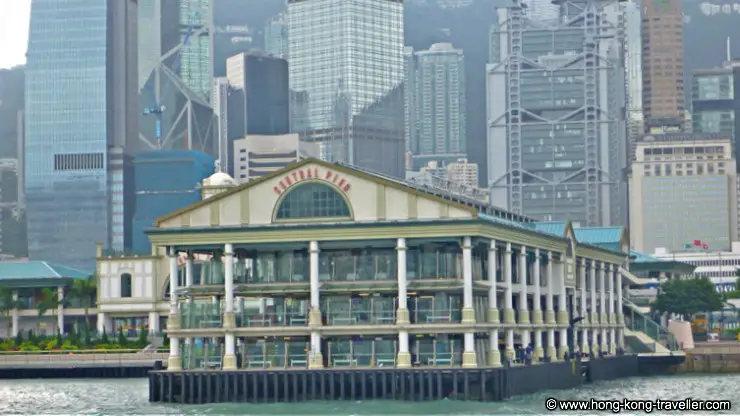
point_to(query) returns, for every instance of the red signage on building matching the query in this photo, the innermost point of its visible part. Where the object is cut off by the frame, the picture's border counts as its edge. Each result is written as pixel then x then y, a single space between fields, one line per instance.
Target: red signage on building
pixel 300 175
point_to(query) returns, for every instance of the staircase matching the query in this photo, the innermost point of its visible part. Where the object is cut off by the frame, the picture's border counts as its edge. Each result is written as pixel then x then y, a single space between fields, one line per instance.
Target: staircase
pixel 642 335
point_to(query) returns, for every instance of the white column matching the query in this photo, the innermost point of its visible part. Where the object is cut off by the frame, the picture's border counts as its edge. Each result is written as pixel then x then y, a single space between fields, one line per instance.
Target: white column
pixel 594 311
pixel 563 319
pixel 523 320
pixel 153 323
pixel 229 322
pixel 101 323
pixel 316 359
pixel 612 273
pixel 508 304
pixel 468 313
pixel 494 355
pixel 174 362
pixel 189 285
pixel 550 309
pixel 14 318
pixel 402 314
pixel 583 325
pixel 60 310
pixel 539 352
pixel 602 301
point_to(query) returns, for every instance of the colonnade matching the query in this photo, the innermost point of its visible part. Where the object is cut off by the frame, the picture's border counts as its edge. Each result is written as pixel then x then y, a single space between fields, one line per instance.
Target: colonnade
pixel 607 321
pixel 606 318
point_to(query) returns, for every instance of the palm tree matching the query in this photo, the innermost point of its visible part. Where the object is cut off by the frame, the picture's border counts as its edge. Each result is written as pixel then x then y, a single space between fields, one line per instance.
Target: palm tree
pixel 50 302
pixel 86 291
pixel 8 303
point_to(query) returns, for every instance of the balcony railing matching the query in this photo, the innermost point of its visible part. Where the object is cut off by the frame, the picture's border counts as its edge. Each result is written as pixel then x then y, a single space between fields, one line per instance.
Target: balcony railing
pixel 257 319
pixel 198 315
pixel 437 316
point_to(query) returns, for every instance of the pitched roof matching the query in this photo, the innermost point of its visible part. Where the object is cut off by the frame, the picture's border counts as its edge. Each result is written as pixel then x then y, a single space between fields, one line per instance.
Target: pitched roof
pixel 599 235
pixel 644 258
pixel 556 228
pixel 29 270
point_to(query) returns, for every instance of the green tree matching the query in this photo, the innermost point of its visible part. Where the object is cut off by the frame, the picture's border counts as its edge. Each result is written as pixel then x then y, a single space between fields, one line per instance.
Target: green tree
pixel 7 305
pixel 50 303
pixel 687 297
pixel 86 291
pixel 143 340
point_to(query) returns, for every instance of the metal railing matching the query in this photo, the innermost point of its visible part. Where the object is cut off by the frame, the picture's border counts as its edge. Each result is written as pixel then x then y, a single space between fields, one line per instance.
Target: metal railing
pixel 636 321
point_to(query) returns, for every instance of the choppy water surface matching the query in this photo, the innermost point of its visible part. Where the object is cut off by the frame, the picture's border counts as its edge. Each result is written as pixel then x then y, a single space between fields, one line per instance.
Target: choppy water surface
pixel 130 397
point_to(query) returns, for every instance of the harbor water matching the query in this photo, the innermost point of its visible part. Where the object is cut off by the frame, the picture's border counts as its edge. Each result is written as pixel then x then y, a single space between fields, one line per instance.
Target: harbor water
pixel 130 397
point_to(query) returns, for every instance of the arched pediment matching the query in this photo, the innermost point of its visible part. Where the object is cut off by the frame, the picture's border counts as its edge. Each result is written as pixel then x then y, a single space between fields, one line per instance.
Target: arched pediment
pixel 313 200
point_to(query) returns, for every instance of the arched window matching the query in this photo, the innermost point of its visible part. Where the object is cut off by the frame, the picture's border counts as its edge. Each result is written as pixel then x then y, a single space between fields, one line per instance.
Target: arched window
pixel 126 285
pixel 312 200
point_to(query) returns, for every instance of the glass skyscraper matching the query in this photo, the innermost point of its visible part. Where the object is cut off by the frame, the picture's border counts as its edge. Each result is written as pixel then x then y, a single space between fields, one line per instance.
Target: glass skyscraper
pixel 346 60
pixel 74 77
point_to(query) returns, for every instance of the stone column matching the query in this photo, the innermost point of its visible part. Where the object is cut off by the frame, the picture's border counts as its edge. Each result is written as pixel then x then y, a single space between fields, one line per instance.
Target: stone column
pixel 523 320
pixel 15 317
pixel 60 310
pixel 153 323
pixel 174 362
pixel 536 308
pixel 494 355
pixel 594 311
pixel 508 305
pixel 602 309
pixel 468 313
pixel 229 361
pixel 550 310
pixel 316 359
pixel 563 319
pixel 102 325
pixel 612 275
pixel 585 348
pixel 402 314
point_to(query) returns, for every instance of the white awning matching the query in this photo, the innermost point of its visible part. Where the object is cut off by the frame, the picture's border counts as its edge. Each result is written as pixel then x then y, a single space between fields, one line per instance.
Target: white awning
pixel 634 280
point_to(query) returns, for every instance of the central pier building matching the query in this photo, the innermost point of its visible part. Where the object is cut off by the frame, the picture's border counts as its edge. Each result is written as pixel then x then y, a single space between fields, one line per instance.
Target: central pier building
pixel 323 265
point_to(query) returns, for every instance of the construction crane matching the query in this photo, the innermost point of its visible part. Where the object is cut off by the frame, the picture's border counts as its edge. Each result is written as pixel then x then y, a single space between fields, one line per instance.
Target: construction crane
pixel 157 109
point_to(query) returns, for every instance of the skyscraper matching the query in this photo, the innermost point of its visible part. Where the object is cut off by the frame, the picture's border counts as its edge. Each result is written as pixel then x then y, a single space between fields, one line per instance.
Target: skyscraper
pixel 276 36
pixel 555 99
pixel 663 96
pixel 631 24
pixel 439 105
pixel 175 112
pixel 196 30
pixel 347 58
pixel 80 104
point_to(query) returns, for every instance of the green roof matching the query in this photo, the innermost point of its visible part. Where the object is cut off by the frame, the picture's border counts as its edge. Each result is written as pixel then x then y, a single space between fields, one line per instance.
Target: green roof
pixel 599 235
pixel 556 228
pixel 639 257
pixel 504 221
pixel 37 270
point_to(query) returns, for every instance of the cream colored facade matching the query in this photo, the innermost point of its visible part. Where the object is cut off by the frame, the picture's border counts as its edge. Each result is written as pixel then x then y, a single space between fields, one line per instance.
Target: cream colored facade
pixel 683 188
pixel 500 279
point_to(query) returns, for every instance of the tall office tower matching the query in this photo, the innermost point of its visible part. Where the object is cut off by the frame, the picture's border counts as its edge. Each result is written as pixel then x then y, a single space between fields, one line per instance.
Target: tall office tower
pixel 163 182
pixel 683 189
pixel 715 100
pixel 555 101
pixel 347 58
pixel 631 24
pixel 196 30
pixel 80 103
pixel 276 36
pixel 542 10
pixel 172 114
pixel 258 99
pixel 409 97
pixel 663 97
pixel 439 105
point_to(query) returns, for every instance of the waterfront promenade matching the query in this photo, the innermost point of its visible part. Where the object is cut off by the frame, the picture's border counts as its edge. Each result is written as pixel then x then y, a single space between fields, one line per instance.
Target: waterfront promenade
pixel 72 364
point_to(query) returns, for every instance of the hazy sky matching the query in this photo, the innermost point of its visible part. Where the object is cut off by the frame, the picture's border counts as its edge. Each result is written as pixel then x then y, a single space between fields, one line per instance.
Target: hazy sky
pixel 14 17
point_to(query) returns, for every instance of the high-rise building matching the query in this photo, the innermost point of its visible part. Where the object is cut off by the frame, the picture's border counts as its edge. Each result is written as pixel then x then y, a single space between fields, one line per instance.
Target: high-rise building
pixel 175 114
pixel 437 84
pixel 257 99
pixel 196 30
pixel 276 36
pixel 715 100
pixel 80 104
pixel 259 155
pixel 556 128
pixel 663 96
pixel 542 10
pixel 347 58
pixel 409 98
pixel 683 190
pixel 631 25
pixel 164 181
pixel 463 172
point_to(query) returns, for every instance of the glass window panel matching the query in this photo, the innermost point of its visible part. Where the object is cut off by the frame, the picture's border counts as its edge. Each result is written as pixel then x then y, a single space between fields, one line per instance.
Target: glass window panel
pixel 313 200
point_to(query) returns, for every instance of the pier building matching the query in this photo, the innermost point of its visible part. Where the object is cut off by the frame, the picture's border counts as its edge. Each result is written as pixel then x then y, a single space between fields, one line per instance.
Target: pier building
pixel 323 265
